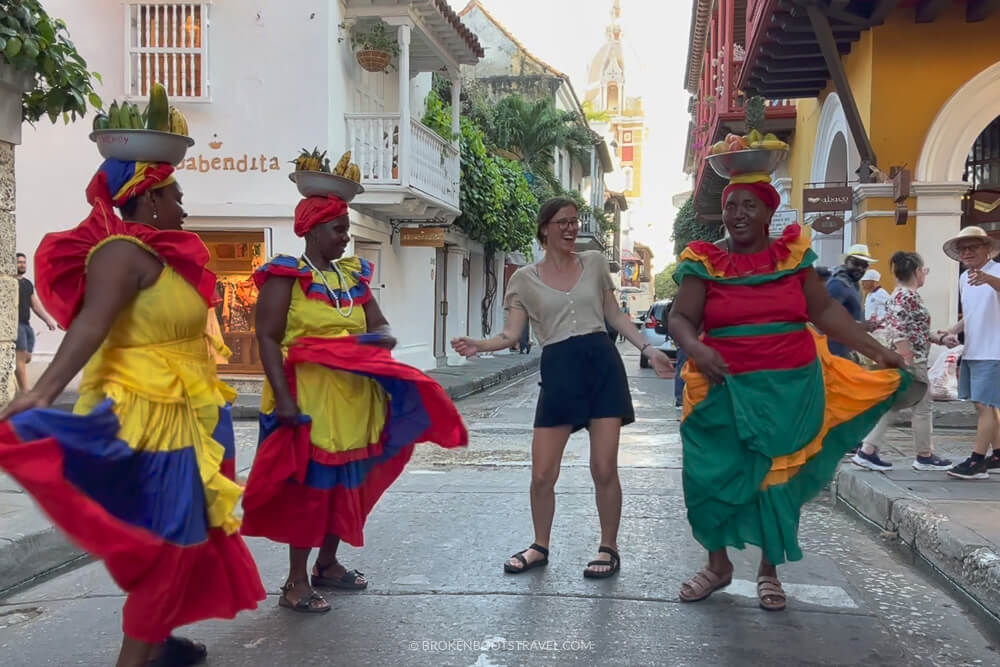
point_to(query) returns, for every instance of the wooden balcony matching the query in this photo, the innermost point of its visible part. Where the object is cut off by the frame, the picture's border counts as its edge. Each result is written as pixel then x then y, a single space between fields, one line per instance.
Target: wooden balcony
pixel 590 236
pixel 718 107
pixel 403 167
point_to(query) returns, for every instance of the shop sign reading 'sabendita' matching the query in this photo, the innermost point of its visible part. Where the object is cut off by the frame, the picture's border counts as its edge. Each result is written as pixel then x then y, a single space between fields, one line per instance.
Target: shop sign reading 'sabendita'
pixel 827 200
pixel 242 163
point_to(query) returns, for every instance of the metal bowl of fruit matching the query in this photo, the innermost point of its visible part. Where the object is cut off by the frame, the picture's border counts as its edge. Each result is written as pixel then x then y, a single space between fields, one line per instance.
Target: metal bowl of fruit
pixel 141 145
pixel 751 161
pixel 321 184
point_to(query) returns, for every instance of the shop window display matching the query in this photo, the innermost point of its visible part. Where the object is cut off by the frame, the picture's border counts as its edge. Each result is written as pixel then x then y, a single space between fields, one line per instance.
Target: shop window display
pixel 235 256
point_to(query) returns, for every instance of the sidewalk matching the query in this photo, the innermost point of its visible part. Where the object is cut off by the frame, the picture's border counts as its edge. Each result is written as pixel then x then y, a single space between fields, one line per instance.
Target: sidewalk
pixel 952 524
pixel 30 546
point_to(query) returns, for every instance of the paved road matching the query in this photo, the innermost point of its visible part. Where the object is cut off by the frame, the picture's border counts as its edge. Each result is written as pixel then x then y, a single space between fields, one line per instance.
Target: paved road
pixel 438 596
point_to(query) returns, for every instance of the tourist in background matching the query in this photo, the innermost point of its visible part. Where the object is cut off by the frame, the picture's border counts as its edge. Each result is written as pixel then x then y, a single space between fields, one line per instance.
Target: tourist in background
pixel 907 321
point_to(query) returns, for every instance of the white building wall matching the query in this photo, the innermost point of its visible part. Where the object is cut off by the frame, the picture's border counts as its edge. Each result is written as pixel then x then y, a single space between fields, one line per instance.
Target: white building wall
pixel 270 96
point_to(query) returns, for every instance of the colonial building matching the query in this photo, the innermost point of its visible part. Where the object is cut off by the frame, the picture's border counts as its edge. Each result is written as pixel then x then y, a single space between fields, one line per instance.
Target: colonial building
pixel 878 85
pixel 509 68
pixel 621 120
pixel 257 82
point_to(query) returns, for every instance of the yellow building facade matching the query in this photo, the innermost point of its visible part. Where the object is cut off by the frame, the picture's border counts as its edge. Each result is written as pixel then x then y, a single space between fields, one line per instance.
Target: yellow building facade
pixel 924 79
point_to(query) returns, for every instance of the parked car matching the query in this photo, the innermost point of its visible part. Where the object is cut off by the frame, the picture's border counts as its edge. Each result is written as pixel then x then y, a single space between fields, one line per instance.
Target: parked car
pixel 654 328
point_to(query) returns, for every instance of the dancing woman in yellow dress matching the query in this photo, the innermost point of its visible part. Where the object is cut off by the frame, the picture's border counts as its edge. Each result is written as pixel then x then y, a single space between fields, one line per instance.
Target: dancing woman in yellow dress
pixel 134 475
pixel 339 417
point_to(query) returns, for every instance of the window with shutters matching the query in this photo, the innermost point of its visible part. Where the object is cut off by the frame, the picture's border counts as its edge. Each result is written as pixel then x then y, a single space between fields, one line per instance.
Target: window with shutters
pixel 167 42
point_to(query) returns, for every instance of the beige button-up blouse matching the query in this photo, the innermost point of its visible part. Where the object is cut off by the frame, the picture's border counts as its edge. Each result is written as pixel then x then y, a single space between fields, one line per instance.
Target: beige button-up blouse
pixel 554 315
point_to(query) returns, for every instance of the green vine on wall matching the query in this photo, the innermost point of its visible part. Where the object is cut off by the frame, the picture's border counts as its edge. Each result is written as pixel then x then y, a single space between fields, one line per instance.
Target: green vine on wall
pixel 688 228
pixel 38 45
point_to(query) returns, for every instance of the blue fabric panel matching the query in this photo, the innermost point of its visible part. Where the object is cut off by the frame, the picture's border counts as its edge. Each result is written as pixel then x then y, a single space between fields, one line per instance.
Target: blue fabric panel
pixel 159 491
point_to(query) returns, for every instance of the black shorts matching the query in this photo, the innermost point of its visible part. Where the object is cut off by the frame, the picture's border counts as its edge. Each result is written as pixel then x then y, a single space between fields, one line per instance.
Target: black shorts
pixel 583 378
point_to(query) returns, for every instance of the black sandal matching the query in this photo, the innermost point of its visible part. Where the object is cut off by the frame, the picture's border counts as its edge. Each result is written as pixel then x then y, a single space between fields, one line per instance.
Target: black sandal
pixel 615 563
pixel 305 604
pixel 179 652
pixel 525 565
pixel 351 580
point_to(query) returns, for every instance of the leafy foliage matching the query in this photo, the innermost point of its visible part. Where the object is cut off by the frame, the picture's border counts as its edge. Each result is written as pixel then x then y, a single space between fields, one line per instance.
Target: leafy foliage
pixel 687 228
pixel 35 43
pixel 755 112
pixel 534 131
pixel 371 38
pixel 664 284
pixel 497 201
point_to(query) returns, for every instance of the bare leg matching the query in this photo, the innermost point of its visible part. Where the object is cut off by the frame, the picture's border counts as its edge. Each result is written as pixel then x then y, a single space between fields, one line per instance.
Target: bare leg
pixel 327 565
pixel 604 437
pixel 297 586
pixel 135 653
pixel 986 428
pixel 547 447
pixel 21 370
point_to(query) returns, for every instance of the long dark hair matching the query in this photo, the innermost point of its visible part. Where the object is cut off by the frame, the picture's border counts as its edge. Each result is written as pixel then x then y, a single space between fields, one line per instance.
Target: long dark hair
pixel 548 211
pixel 905 264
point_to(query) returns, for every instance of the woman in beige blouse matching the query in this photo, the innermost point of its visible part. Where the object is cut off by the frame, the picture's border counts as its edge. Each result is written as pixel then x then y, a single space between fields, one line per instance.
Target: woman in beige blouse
pixel 568 296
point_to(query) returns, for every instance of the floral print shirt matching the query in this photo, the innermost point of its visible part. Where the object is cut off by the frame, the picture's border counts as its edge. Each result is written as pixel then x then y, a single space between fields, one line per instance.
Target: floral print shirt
pixel 908 318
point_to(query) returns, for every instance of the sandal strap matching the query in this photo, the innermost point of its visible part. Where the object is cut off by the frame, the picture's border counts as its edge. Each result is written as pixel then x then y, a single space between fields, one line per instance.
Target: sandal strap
pixel 611 552
pixel 519 556
pixel 703 580
pixel 539 548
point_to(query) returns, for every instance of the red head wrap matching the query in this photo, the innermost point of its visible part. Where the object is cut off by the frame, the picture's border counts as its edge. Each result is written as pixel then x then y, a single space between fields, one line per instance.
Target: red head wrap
pixel 763 191
pixel 313 211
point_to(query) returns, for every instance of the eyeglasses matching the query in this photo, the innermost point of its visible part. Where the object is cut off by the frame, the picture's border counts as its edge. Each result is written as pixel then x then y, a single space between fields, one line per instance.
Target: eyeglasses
pixel 969 248
pixel 926 270
pixel 565 223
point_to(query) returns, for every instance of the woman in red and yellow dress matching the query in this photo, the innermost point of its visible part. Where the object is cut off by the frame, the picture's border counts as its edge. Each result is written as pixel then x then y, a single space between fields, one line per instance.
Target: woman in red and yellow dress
pixel 339 417
pixel 134 475
pixel 768 411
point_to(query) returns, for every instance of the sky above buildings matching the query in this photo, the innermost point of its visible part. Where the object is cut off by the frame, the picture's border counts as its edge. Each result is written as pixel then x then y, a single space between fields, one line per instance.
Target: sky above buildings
pixel 567 34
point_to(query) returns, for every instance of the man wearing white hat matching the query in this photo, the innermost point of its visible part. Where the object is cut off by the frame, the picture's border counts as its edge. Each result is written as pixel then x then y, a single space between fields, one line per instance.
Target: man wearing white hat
pixel 979 374
pixel 877 300
pixel 844 288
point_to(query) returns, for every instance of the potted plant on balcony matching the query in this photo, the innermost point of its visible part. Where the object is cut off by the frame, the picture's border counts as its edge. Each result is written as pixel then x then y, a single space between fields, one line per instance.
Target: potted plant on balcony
pixel 374 48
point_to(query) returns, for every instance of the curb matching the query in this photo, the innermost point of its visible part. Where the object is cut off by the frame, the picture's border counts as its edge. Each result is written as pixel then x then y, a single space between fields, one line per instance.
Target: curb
pixel 33 554
pixel 466 389
pixel 958 554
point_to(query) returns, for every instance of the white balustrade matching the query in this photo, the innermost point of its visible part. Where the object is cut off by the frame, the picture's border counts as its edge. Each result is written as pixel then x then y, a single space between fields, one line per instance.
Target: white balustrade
pixel 374 142
pixel 434 165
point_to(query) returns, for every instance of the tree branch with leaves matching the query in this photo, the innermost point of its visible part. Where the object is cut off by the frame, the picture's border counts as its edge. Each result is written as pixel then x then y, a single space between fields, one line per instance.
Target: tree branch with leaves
pixel 34 43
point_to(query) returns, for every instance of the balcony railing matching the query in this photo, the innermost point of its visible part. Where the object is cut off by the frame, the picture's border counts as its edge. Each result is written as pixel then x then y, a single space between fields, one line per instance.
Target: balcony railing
pixel 432 166
pixel 720 98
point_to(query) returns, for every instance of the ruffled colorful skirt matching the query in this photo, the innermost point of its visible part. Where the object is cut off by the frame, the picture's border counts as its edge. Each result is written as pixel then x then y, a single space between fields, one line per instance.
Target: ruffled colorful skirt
pixel 362 413
pixel 143 511
pixel 759 446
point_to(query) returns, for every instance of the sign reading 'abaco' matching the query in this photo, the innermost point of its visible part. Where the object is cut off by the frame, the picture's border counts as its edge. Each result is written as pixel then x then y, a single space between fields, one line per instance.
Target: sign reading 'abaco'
pixel 827 200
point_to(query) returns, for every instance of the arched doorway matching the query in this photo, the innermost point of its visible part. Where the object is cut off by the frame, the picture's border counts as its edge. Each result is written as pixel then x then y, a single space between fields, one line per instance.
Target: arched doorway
pixel 835 158
pixel 981 206
pixel 940 183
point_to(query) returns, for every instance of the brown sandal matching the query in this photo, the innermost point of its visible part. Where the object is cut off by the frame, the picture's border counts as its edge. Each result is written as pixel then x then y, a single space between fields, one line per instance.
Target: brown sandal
pixel 770 587
pixel 702 584
pixel 313 603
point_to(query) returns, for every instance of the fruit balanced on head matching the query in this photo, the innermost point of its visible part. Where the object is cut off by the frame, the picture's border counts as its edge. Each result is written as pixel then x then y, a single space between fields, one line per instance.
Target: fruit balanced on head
pixel 315 161
pixel 158 115
pixel 753 140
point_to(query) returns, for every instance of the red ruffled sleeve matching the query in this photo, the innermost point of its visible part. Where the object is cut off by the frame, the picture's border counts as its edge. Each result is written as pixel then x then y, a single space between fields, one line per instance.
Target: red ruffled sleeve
pixel 62 257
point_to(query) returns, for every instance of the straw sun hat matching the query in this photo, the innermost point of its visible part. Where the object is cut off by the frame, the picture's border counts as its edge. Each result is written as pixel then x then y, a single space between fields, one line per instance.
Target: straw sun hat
pixel 972 233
